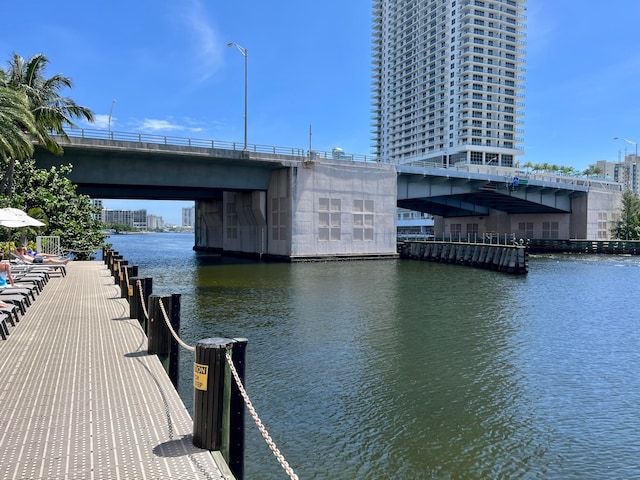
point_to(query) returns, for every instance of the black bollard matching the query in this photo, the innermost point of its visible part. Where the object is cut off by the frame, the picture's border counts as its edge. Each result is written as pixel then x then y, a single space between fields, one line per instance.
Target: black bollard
pixel 134 300
pixel 114 265
pixel 125 286
pixel 174 346
pixel 236 411
pixel 208 397
pixel 138 299
pixel 158 333
pixel 118 270
pixel 106 256
pixel 160 340
pixel 110 255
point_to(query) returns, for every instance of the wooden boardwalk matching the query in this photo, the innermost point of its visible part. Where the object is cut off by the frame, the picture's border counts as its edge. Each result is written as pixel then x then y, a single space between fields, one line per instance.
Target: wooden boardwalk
pixel 81 399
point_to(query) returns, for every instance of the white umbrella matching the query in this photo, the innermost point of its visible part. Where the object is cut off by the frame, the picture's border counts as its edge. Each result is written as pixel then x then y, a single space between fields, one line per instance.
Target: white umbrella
pixel 16 218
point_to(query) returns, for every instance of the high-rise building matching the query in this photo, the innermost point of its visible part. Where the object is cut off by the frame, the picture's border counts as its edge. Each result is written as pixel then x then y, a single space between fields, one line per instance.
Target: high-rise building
pixel 135 218
pixel 154 222
pixel 626 172
pixel 448 82
pixel 188 216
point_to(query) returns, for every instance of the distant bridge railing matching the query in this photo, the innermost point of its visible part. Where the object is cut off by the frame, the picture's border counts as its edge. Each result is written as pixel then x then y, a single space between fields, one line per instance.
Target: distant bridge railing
pixel 98 134
pixel 510 173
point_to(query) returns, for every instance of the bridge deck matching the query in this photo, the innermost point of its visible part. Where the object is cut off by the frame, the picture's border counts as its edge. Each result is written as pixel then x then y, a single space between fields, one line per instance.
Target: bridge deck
pixel 81 399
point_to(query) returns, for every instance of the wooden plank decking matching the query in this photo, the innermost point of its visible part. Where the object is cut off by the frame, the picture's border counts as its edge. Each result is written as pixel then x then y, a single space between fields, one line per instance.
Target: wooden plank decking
pixel 81 399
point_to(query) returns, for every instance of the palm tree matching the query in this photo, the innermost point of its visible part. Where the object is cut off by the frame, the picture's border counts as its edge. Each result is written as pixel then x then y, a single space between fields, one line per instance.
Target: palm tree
pixel 51 112
pixel 528 166
pixel 16 125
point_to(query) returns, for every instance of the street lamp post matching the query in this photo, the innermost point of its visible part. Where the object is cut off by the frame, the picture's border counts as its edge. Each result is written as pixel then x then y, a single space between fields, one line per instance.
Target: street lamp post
pixel 630 142
pixel 245 54
pixel 110 114
pixel 625 163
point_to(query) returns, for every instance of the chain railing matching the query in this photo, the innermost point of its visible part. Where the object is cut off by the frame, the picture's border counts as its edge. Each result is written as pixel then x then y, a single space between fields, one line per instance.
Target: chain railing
pixel 173 333
pixel 142 303
pixel 263 431
pixel 258 422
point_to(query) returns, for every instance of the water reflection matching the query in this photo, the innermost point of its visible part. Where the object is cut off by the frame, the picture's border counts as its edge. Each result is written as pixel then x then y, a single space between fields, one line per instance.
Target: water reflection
pixel 402 369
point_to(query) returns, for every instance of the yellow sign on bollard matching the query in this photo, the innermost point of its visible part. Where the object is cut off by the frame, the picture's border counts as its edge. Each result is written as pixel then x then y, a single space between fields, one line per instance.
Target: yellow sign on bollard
pixel 200 376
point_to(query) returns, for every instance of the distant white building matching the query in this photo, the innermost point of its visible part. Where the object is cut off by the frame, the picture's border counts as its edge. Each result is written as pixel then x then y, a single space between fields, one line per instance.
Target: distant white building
pixel 98 203
pixel 154 222
pixel 625 172
pixel 135 218
pixel 410 222
pixel 188 216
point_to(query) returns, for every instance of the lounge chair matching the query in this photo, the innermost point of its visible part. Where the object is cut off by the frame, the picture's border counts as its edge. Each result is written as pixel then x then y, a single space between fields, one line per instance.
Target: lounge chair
pixel 39 267
pixel 11 311
pixel 4 330
pixel 29 290
pixel 20 301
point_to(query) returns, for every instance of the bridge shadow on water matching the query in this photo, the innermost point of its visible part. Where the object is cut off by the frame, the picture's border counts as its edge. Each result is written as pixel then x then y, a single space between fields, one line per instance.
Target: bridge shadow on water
pixel 204 259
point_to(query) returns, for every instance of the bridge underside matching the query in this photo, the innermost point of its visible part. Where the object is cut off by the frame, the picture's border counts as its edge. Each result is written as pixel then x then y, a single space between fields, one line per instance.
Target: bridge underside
pixel 146 192
pixel 459 197
pixel 158 175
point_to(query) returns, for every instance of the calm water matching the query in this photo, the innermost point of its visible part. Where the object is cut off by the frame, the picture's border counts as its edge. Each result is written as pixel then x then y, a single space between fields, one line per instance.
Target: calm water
pixel 411 370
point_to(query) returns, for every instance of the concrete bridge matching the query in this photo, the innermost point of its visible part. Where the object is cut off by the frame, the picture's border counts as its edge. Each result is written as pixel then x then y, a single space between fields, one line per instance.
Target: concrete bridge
pixel 285 203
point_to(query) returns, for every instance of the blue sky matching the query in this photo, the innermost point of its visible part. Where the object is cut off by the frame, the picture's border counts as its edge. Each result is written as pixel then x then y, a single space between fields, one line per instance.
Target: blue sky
pixel 167 65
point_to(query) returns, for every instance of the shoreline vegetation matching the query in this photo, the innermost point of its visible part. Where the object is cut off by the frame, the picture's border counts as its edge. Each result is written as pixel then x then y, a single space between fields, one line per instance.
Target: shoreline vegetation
pixel 35 109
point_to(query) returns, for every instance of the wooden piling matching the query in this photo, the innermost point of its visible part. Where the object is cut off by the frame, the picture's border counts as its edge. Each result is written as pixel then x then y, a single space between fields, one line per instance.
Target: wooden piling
pixel 208 397
pixel 126 291
pixel 160 341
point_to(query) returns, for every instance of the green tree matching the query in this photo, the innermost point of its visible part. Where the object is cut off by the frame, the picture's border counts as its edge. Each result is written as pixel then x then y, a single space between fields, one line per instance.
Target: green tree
pixel 528 166
pixel 16 125
pixel 51 112
pixel 51 197
pixel 121 227
pixel 627 227
pixel 592 172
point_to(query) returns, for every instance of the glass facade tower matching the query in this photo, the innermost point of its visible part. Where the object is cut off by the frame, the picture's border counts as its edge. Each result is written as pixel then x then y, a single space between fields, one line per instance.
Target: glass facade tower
pixel 448 81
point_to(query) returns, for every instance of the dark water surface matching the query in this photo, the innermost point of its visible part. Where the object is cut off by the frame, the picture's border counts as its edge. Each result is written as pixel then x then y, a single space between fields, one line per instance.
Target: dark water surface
pixel 399 369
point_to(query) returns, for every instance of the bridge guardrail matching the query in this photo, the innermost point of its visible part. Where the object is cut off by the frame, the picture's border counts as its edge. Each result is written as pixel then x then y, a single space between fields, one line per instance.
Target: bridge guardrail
pixel 111 135
pixel 509 173
pixel 98 134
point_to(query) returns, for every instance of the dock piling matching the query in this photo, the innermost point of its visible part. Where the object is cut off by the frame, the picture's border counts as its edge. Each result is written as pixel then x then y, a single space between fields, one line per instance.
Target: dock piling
pixel 160 340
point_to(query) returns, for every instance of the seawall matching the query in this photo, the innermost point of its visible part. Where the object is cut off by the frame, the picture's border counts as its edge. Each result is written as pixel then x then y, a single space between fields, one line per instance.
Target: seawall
pixel 511 259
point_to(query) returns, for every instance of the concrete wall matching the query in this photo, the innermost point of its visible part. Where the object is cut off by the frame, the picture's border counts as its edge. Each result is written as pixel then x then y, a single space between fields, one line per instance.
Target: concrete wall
pixel 603 210
pixel 342 209
pixel 244 222
pixel 279 208
pixel 208 224
pixel 591 218
pixel 323 209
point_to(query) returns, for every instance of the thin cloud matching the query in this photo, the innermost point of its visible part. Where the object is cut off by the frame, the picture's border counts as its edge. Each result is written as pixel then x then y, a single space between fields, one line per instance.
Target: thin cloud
pixel 155 125
pixel 102 121
pixel 206 46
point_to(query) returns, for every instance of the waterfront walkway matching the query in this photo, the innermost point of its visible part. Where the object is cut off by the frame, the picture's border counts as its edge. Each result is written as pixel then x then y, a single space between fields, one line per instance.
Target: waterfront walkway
pixel 81 399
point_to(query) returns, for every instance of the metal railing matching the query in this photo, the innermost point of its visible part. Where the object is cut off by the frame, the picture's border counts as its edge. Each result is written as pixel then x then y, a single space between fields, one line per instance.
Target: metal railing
pixel 491 238
pixel 147 138
pixel 509 173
